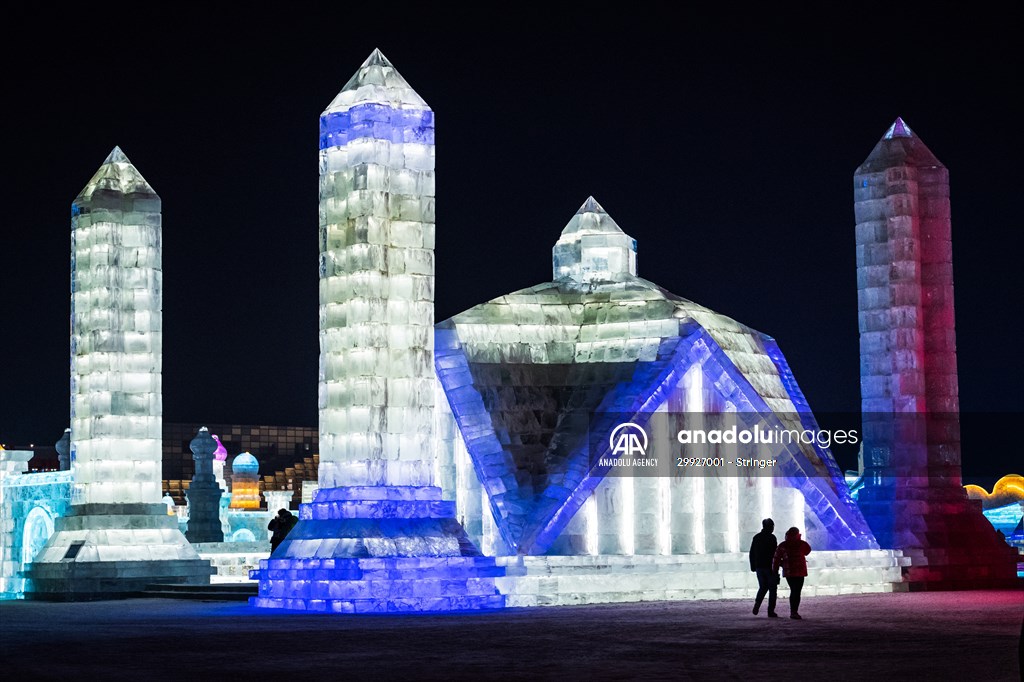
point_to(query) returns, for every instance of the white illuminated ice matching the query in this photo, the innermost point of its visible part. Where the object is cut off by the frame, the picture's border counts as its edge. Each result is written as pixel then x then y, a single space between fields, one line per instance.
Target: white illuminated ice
pixel 376 390
pixel 116 337
pixel 116 536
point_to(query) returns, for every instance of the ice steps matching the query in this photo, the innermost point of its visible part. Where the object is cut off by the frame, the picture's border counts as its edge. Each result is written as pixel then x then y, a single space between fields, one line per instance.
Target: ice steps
pixel 216 592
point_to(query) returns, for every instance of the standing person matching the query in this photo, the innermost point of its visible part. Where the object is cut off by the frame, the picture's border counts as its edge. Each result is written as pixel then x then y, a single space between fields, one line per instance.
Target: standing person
pixel 791 556
pixel 762 551
pixel 279 527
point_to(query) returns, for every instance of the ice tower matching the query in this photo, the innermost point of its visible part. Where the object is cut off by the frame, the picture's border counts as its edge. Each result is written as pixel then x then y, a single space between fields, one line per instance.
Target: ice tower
pixel 117 536
pixel 912 495
pixel 377 536
pixel 526 375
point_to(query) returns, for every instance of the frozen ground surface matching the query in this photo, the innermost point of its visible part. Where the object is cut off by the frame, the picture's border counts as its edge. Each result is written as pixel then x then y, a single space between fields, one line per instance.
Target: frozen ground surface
pixel 965 636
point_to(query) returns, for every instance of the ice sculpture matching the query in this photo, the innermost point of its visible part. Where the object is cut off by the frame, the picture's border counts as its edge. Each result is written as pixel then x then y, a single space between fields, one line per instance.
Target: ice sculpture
pixel 220 456
pixel 377 536
pixel 523 373
pixel 117 536
pixel 245 482
pixel 204 492
pixel 63 448
pixel 912 495
pixel 29 503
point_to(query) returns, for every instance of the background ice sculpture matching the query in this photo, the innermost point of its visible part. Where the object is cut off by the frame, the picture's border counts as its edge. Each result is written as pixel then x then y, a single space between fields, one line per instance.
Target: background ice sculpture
pixel 220 456
pixel 204 524
pixel 116 341
pixel 245 482
pixel 523 372
pixel 377 536
pixel 117 536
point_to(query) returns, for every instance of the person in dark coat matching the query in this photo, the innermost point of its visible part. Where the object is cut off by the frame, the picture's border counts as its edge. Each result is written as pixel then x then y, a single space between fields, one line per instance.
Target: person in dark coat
pixel 791 556
pixel 279 527
pixel 762 551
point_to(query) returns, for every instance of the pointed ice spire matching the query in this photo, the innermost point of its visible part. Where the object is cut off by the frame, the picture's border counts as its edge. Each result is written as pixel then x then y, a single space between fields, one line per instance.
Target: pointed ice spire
pixel 898 129
pixel 377 82
pixel 592 247
pixel 116 174
pixel 591 217
pixel 116 156
pixel 899 146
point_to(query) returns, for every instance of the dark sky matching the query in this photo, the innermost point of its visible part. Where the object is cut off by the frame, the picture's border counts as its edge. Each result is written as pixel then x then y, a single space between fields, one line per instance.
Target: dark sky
pixel 725 146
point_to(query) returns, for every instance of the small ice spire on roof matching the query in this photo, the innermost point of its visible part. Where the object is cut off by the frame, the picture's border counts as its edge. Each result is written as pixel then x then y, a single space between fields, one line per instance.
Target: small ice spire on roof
pixel 591 206
pixel 591 217
pixel 116 156
pixel 377 58
pixel 592 247
pixel 898 129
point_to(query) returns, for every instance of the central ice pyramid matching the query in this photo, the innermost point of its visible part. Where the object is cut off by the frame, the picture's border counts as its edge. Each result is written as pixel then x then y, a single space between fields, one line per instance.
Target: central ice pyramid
pixel 524 372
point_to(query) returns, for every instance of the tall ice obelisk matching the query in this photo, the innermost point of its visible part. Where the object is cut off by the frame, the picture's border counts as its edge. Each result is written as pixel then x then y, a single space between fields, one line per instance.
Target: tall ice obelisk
pixel 117 537
pixel 378 536
pixel 912 496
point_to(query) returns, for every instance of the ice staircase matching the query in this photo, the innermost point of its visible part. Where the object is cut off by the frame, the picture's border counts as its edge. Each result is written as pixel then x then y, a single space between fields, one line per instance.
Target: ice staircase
pixel 217 592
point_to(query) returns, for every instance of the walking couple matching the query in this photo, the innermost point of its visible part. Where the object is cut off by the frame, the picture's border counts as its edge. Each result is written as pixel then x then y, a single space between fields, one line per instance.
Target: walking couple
pixel 767 556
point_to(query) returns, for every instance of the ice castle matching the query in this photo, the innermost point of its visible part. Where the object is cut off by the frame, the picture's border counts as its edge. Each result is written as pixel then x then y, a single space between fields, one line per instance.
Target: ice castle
pixel 516 371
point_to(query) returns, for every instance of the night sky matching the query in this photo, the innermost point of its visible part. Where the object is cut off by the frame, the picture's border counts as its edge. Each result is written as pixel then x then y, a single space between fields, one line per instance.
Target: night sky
pixel 726 147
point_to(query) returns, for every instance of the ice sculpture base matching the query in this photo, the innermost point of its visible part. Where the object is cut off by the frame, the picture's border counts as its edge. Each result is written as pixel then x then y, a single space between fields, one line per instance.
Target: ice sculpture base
pixel 104 551
pixel 568 580
pixel 378 549
pixel 949 542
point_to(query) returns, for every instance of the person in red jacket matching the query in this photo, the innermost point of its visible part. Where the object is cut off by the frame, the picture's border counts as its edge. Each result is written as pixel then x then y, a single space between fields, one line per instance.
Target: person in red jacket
pixel 791 557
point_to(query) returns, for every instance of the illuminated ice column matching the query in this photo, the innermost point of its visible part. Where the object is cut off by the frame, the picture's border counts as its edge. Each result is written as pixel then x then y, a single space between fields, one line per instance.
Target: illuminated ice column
pixel 687 488
pixel 754 504
pixel 912 497
pixel 376 394
pixel 116 537
pixel 719 494
pixel 787 507
pixel 615 515
pixel 116 337
pixel 648 498
pixel 716 511
pixel 378 536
